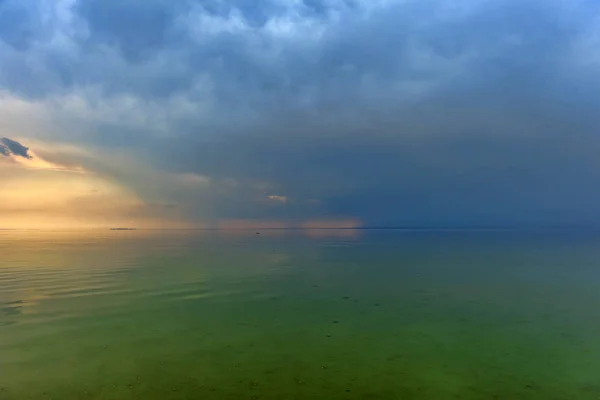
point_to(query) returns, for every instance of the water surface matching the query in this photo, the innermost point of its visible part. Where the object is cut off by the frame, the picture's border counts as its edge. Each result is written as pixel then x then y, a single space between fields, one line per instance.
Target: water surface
pixel 320 314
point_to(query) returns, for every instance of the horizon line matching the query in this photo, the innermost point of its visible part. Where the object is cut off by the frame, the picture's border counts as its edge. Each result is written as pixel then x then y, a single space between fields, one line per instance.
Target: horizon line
pixel 407 228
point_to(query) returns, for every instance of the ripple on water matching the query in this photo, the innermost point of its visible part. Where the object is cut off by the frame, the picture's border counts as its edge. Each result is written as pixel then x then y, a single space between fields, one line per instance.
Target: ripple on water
pixel 127 316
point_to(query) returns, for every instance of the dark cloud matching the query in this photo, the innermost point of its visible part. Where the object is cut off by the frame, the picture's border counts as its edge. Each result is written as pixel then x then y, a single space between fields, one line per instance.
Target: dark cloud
pixel 397 112
pixel 136 28
pixel 16 24
pixel 8 147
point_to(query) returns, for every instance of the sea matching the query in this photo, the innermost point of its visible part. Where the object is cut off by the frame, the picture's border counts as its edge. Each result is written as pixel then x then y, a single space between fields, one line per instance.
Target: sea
pixel 300 314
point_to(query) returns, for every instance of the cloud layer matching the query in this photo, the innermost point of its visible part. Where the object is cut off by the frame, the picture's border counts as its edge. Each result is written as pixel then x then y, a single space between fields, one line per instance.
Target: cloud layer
pixel 391 112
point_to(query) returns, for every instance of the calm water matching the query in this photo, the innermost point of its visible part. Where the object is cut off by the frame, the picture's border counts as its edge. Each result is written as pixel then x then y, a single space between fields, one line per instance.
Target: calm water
pixel 299 315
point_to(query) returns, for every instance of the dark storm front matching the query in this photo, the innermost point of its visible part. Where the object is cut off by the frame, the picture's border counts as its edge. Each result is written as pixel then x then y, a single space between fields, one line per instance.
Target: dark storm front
pixel 322 314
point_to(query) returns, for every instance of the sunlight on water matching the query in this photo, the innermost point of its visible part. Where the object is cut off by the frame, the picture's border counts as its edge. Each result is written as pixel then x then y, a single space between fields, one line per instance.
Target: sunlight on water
pixel 320 314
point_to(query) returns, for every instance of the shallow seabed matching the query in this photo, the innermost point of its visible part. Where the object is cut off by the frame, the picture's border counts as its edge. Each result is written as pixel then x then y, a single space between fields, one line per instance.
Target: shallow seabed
pixel 299 315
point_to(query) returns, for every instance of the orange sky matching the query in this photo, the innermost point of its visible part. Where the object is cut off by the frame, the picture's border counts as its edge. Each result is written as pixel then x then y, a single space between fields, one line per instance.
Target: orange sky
pixel 36 193
pixel 40 194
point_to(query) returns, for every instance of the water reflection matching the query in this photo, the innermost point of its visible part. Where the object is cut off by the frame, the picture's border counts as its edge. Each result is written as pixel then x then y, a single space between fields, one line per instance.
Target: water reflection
pixel 308 313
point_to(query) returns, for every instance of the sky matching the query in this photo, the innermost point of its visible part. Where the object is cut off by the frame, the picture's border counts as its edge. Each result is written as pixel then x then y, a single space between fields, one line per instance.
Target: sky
pixel 299 113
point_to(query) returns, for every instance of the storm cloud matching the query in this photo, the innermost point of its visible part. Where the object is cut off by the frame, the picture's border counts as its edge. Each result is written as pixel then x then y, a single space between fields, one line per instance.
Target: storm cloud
pixel 8 147
pixel 394 112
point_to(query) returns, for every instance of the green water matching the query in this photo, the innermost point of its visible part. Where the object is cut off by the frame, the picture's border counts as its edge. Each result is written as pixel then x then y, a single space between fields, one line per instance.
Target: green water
pixel 299 315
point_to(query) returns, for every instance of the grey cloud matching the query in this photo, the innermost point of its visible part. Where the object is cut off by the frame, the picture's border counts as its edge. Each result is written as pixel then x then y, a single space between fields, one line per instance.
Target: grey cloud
pixel 137 28
pixel 411 112
pixel 407 41
pixel 158 34
pixel 14 28
pixel 8 147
